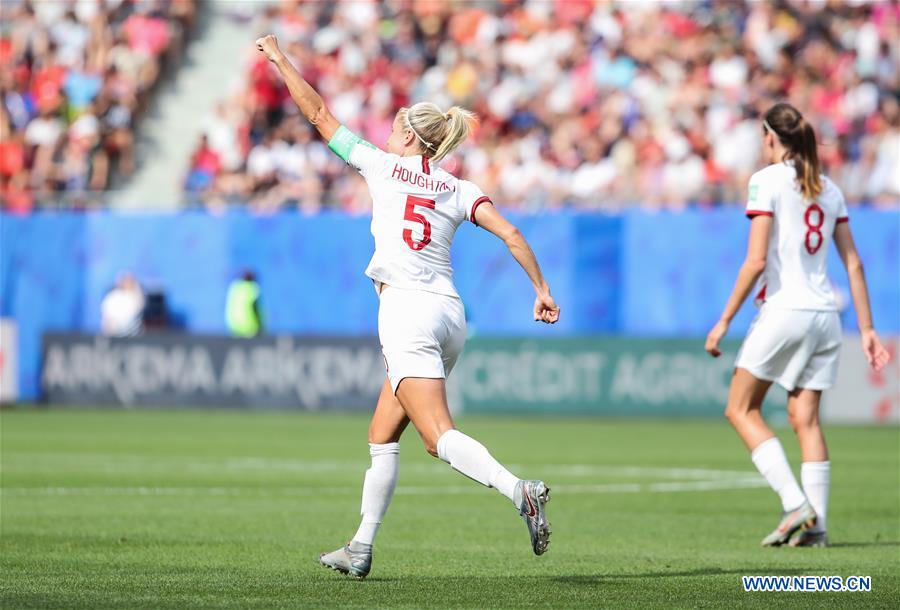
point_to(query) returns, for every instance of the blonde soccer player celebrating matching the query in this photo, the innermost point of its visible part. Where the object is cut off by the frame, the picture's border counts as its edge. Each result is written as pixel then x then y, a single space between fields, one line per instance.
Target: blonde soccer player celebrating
pixel 416 209
pixel 796 336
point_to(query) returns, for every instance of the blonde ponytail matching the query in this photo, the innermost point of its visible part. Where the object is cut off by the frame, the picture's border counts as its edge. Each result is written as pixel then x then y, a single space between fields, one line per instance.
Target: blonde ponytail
pixel 460 122
pixel 439 133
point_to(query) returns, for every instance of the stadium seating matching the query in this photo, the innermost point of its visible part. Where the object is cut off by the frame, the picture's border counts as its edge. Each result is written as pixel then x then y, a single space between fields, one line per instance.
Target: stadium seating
pixel 584 104
pixel 74 80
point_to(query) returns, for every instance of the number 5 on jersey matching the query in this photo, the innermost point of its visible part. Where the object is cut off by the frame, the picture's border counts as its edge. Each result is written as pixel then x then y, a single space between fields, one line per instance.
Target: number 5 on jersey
pixel 411 202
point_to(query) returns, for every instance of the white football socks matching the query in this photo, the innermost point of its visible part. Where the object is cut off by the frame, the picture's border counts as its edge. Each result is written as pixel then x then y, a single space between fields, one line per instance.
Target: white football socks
pixel 378 489
pixel 816 478
pixel 770 460
pixel 471 458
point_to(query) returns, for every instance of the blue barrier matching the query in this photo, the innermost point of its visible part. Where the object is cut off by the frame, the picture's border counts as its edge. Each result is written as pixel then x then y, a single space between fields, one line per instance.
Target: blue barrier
pixel 678 271
pixel 645 274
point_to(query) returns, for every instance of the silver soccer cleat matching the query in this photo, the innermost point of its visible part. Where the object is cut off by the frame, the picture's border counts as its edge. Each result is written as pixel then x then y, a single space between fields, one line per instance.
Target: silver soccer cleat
pixel 532 497
pixel 802 517
pixel 809 538
pixel 356 563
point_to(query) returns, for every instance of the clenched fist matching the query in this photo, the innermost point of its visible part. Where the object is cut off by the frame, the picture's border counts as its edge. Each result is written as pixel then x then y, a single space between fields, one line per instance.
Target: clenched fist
pixel 545 309
pixel 269 45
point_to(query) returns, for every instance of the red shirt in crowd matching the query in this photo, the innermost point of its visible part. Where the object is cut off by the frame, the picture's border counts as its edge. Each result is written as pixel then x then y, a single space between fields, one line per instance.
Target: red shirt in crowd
pixel 269 91
pixel 12 157
pixel 47 84
pixel 147 35
pixel 207 160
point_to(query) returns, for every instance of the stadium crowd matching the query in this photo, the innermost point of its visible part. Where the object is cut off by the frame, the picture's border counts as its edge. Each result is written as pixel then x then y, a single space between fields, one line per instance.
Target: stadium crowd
pixel 74 77
pixel 582 103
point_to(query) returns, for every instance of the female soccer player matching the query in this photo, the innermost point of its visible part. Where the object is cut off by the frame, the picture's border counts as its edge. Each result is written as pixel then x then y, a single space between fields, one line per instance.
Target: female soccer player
pixel 796 336
pixel 416 210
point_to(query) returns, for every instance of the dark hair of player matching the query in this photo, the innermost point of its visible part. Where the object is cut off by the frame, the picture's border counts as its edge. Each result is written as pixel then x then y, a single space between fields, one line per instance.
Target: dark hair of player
pixel 799 138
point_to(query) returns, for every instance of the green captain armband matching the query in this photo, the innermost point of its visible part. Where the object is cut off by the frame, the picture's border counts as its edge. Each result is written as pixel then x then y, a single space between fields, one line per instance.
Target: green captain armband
pixel 343 141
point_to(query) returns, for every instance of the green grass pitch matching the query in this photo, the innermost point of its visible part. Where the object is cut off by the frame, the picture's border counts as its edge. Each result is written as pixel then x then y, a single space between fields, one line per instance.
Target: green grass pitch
pixel 229 509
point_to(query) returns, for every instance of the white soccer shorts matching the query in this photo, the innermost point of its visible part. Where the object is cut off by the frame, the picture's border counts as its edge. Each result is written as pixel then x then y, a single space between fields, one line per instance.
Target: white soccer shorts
pixel 422 333
pixel 794 348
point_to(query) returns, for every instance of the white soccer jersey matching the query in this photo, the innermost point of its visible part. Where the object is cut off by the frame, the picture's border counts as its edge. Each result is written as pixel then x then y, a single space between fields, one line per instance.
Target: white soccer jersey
pixel 416 209
pixel 795 276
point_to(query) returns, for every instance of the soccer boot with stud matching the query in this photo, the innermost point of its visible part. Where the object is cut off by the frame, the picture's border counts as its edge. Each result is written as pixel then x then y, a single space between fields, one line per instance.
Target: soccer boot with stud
pixel 801 518
pixel 810 538
pixel 531 497
pixel 353 559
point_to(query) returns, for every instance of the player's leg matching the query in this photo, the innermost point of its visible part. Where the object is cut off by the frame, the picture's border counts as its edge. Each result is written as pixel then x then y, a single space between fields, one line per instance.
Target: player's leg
pixel 819 373
pixel 385 430
pixel 425 403
pixel 744 411
pixel 803 415
pixel 421 335
pixel 815 472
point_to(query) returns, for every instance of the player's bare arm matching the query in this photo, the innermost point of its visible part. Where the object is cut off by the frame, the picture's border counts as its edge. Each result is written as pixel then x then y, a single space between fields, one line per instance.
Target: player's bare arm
pixel 545 308
pixel 875 352
pixel 307 99
pixel 753 267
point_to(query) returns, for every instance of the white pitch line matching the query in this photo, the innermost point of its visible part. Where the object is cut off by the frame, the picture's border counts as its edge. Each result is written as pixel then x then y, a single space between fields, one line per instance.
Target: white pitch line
pixel 667 487
pixel 128 463
pixel 664 487
pixel 559 469
pixel 635 471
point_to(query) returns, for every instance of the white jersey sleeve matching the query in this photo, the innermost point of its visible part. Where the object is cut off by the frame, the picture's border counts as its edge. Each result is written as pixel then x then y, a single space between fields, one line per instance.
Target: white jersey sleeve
pixel 760 196
pixel 362 155
pixel 842 214
pixel 470 197
pixel 368 159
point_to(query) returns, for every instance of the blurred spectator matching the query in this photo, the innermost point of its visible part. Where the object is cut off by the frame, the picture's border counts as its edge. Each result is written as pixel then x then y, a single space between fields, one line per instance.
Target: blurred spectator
pixel 157 316
pixel 73 78
pixel 122 308
pixel 242 310
pixel 583 103
pixel 205 165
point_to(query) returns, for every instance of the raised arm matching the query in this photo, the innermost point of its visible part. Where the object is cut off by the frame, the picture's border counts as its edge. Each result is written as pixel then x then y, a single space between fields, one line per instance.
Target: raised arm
pixel 754 265
pixel 307 99
pixel 875 352
pixel 487 217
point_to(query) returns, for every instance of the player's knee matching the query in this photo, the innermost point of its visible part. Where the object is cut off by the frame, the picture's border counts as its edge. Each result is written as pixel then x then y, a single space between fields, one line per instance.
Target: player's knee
pixel 803 422
pixel 793 421
pixel 733 413
pixel 741 409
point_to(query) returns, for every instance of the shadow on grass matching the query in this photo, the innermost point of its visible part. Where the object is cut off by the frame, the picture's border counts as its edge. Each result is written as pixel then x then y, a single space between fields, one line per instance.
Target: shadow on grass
pixel 584 579
pixel 242 589
pixel 848 545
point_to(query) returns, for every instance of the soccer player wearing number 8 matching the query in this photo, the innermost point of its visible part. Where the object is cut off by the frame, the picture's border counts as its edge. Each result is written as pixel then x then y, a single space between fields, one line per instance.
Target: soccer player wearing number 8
pixel 796 336
pixel 417 208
